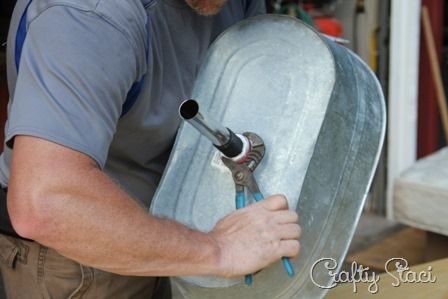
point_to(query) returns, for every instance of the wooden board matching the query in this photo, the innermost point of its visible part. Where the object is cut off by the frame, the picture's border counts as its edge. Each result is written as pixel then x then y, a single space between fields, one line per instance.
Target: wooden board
pixel 408 243
pixel 437 290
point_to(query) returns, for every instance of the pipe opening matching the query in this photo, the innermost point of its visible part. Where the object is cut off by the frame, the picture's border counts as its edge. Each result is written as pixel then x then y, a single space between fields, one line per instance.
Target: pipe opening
pixel 188 109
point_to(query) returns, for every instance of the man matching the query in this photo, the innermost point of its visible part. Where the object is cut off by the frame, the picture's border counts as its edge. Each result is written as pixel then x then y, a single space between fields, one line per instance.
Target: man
pixel 81 164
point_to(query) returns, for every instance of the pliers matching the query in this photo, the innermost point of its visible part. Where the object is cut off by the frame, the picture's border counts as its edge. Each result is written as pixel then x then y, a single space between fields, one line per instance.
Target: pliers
pixel 242 174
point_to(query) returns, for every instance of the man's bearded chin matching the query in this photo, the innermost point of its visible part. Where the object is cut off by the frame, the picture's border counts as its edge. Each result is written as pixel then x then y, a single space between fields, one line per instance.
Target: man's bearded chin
pixel 206 7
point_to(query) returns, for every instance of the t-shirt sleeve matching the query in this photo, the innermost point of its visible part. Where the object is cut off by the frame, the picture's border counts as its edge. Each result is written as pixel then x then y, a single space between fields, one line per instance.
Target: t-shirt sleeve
pixel 75 71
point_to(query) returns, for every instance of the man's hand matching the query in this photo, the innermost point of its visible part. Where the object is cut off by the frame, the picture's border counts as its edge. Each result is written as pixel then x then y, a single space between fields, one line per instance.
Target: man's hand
pixel 256 236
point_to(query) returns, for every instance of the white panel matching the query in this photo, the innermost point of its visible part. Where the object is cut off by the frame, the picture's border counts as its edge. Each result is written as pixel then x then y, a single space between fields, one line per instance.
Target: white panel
pixel 403 90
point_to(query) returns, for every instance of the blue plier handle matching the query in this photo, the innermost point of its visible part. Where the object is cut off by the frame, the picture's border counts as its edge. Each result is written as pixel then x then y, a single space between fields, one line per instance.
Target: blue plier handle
pixel 242 174
pixel 240 201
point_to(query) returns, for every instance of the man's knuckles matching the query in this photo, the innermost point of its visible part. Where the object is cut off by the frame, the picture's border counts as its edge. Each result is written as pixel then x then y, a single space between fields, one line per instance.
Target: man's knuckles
pixel 275 202
pixel 290 248
pixel 290 231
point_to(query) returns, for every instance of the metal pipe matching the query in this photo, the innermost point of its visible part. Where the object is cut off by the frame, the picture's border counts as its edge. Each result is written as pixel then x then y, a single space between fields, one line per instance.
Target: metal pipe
pixel 222 138
pixel 214 131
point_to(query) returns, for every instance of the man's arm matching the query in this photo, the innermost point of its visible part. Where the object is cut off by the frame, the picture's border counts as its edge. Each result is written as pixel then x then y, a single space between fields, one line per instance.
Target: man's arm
pixel 60 198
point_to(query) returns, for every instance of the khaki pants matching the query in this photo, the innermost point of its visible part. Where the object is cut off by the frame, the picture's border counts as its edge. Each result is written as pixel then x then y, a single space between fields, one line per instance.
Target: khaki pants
pixel 31 270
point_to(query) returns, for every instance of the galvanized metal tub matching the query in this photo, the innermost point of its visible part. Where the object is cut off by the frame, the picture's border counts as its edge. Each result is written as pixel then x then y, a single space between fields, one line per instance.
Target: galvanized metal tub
pixel 321 113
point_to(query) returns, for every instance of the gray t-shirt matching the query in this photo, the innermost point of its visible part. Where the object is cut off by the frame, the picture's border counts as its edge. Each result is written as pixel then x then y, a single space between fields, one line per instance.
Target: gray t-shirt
pixel 78 62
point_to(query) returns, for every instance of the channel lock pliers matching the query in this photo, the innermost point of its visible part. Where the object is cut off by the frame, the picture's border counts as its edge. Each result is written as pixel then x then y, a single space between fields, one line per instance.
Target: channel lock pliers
pixel 242 173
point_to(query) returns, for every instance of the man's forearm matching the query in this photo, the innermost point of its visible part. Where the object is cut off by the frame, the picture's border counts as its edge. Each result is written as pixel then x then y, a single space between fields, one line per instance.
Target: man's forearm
pixel 58 197
pixel 85 216
pixel 107 230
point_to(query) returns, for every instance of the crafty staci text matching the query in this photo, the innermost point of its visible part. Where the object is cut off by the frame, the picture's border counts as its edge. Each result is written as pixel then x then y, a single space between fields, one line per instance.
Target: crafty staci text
pixel 324 274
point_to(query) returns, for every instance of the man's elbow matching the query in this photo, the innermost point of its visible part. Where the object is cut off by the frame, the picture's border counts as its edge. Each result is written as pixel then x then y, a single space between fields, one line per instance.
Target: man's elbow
pixel 29 213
